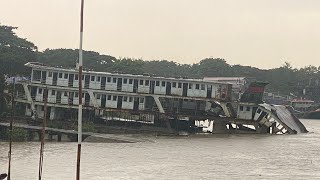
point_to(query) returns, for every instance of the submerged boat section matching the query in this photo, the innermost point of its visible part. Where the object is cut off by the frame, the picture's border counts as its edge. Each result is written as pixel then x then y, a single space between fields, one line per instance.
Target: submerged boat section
pixel 134 103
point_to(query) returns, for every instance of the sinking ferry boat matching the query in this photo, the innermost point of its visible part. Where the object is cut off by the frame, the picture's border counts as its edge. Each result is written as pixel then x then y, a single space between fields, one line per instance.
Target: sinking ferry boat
pixel 138 103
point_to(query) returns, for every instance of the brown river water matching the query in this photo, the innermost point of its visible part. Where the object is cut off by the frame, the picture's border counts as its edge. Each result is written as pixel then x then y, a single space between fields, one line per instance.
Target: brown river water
pixel 193 157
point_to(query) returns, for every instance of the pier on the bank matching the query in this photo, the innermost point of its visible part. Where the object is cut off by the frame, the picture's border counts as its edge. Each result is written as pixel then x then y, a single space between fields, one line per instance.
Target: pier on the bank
pixel 72 135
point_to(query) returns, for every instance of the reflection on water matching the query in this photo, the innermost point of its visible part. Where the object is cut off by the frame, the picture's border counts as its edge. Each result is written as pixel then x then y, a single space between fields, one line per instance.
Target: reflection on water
pixel 195 157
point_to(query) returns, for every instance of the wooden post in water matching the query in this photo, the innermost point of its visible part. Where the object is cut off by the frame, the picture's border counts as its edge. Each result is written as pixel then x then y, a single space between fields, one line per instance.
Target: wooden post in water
pixel 80 94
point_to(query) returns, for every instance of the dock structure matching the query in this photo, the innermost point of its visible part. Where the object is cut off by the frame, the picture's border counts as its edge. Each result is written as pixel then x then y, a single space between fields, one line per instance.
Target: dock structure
pixel 171 103
pixel 72 135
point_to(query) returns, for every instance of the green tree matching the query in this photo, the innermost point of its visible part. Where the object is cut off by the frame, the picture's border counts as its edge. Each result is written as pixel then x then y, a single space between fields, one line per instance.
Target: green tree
pixel 14 51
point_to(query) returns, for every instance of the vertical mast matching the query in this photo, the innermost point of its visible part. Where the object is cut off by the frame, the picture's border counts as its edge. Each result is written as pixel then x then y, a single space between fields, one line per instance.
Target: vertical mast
pixel 80 94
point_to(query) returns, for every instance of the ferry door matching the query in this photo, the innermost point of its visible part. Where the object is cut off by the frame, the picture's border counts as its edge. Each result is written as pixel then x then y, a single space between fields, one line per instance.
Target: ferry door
pixel 86 98
pixel 119 104
pixel 152 84
pixel 33 92
pixel 135 85
pixel 44 94
pixel 71 77
pixel 70 98
pixel 136 104
pixel 58 97
pixel 43 77
pixel 168 88
pixel 119 84
pixel 103 100
pixel 86 81
pixel 185 90
pixel 55 79
pixel 103 83
pixel 209 91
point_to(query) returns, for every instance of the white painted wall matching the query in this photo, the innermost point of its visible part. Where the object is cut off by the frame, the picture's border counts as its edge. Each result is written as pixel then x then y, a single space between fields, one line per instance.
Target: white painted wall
pixel 126 104
pixel 49 78
pixel 52 94
pixel 112 85
pixel 64 97
pixel 143 88
pixel 39 95
pixel 177 90
pixel 126 86
pixel 112 103
pixel 62 80
pixel 160 89
pixel 95 82
pixel 244 113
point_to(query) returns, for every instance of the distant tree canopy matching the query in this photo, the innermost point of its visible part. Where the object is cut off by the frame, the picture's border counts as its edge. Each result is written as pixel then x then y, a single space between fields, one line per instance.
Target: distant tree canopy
pixel 16 51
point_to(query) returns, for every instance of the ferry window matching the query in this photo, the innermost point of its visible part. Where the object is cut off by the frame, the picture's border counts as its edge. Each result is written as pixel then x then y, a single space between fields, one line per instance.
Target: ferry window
pixel 114 80
pixel 53 92
pixel 98 96
pixel 163 83
pixel 65 94
pixel 179 85
pixel 125 98
pixel 76 77
pixel 203 87
pixel 248 108
pixel 76 94
pixel 141 82
pixel 147 83
pixel 197 86
pixel 50 74
pixel 40 91
pixel 99 78
pixel 259 111
pixel 125 81
pixel 92 78
pixel 66 76
pixel 130 99
pixel 174 84
pixel 60 75
pixel 157 83
pixel 241 108
pixel 114 98
pixel 108 79
pixel 36 75
pixel 109 97
pixel 141 100
pixel 130 81
pixel 190 86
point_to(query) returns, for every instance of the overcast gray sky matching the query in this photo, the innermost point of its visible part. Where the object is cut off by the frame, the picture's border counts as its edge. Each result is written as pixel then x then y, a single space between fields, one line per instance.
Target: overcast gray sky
pixel 260 33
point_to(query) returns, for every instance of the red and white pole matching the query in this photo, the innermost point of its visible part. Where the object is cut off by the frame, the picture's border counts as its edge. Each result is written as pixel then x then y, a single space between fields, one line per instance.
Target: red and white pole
pixel 80 94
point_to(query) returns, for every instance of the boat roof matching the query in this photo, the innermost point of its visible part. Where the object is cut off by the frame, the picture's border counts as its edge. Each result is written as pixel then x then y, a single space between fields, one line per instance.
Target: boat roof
pixel 224 78
pixel 38 65
pixel 302 100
